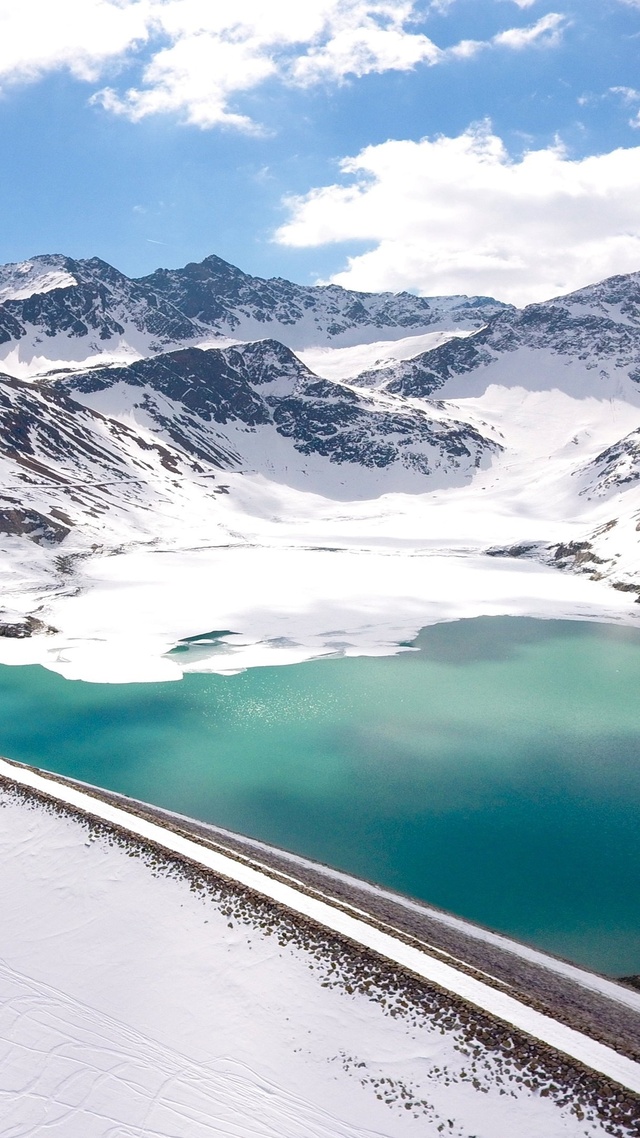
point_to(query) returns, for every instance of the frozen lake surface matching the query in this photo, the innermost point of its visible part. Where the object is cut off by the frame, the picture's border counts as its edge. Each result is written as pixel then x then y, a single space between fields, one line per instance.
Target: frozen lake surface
pixel 494 772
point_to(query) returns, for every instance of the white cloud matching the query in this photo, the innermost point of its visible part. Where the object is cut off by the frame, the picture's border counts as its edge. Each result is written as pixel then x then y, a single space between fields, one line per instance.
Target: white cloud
pixel 215 53
pixel 196 76
pixel 37 36
pixel 194 56
pixel 546 32
pixel 450 215
pixel 358 51
pixel 627 94
pixel 199 53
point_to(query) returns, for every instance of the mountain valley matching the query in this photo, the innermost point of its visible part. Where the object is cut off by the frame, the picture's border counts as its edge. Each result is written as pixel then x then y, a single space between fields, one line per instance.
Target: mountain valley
pixel 345 466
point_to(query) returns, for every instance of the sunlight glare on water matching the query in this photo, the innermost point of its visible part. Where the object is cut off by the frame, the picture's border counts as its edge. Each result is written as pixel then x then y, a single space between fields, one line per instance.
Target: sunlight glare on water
pixel 493 771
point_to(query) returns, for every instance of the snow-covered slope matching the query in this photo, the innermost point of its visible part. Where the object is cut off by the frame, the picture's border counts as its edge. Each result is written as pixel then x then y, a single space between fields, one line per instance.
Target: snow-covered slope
pixel 42 274
pixel 54 450
pixel 147 989
pixel 259 404
pixel 345 363
pixel 587 343
pixel 341 512
pixel 613 468
pixel 56 312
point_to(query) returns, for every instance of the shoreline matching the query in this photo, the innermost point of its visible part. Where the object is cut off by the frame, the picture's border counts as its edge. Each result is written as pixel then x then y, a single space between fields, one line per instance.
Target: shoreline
pixel 391 927
pixel 285 606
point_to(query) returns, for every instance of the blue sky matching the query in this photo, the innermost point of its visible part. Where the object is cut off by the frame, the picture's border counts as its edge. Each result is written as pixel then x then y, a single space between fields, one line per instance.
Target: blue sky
pixel 487 146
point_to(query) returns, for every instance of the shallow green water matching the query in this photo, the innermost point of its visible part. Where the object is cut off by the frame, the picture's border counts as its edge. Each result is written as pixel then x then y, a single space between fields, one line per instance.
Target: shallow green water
pixel 495 772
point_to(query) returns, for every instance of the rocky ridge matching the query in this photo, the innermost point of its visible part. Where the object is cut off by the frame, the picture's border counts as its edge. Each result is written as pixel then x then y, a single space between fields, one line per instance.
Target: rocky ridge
pixel 222 297
pixel 56 297
pixel 596 328
pixel 207 402
pixel 55 309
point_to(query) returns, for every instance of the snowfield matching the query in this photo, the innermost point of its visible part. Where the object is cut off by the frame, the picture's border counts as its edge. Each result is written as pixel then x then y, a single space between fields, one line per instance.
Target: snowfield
pixel 296 574
pixel 146 994
pixel 485 461
pixel 311 578
pixel 344 363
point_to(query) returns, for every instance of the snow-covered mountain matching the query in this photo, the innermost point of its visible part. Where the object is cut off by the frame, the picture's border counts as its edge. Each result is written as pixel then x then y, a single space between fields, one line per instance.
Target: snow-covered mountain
pixel 255 407
pixel 53 450
pixel 587 343
pixel 615 467
pixel 506 451
pixel 234 304
pixel 55 310
pixel 581 355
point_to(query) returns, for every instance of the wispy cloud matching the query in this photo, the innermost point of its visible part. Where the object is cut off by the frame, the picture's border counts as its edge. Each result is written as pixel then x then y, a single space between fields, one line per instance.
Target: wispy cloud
pixel 195 55
pixel 631 98
pixel 460 214
pixel 546 32
pixel 627 94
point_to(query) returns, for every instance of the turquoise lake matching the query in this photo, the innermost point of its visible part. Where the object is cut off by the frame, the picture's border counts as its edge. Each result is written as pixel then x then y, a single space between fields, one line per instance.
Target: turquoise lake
pixel 494 771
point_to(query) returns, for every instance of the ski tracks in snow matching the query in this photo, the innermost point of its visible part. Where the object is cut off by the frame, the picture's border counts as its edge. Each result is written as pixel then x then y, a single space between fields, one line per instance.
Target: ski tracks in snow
pixel 94 1074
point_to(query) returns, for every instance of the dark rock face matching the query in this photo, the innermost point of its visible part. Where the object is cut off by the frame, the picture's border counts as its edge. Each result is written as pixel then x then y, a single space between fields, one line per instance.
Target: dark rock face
pixel 21 630
pixel 616 467
pixel 265 385
pixel 598 326
pixel 10 327
pixel 219 295
pixel 100 304
pixel 427 373
pixel 576 553
pixel 197 289
pixel 205 383
pixel 32 524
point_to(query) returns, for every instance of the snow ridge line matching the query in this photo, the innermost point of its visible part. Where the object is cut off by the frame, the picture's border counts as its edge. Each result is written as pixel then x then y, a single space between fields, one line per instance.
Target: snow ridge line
pixel 576 1045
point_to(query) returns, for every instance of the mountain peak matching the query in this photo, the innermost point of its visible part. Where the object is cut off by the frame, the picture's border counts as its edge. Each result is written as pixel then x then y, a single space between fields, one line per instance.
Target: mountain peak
pixel 40 274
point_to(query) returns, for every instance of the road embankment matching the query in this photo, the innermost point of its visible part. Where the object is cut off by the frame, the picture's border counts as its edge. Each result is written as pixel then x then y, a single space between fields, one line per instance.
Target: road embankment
pixel 557 1009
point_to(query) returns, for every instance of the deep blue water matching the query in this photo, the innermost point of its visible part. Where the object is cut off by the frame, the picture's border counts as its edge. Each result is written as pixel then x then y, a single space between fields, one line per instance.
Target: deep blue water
pixel 494 772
